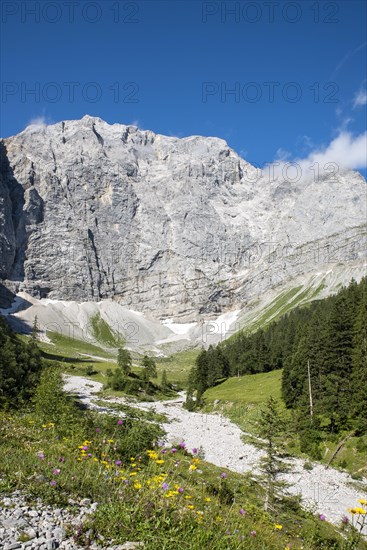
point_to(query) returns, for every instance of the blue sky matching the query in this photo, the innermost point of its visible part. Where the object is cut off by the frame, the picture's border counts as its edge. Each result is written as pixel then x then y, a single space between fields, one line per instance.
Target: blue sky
pixel 297 71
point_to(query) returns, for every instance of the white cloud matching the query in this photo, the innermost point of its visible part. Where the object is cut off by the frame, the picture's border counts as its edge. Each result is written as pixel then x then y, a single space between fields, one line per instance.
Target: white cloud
pixel 346 152
pixel 360 98
pixel 39 121
pixel 283 155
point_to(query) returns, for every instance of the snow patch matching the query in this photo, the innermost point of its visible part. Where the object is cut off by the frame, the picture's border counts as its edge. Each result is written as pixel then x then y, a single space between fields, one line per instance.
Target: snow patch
pixel 178 328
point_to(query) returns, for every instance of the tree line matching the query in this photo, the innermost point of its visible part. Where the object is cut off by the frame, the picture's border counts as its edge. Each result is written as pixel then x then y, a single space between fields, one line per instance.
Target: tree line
pixel 20 366
pixel 322 349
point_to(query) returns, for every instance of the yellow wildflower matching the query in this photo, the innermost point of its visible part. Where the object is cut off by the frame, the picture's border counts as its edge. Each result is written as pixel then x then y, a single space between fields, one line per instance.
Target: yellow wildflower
pixel 278 526
pixel 193 467
pixel 362 500
pixel 137 485
pixel 159 461
pixel 218 519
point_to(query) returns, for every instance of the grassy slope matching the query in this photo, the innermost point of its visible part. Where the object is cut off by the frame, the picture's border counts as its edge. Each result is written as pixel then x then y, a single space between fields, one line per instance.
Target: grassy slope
pixel 241 399
pixel 252 388
pixel 205 514
pixel 74 354
pixel 282 304
pixel 104 334
pixel 178 365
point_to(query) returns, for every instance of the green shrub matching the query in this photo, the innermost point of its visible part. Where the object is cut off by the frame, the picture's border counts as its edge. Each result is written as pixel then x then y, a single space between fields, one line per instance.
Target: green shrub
pixel 52 404
pixel 310 442
pixel 20 367
pixel 90 370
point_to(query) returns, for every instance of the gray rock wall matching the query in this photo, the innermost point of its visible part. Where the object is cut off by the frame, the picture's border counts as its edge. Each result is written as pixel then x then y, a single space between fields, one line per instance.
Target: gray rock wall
pixel 168 226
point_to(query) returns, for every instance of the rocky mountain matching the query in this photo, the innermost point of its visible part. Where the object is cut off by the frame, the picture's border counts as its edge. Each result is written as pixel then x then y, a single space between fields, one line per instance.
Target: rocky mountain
pixel 174 228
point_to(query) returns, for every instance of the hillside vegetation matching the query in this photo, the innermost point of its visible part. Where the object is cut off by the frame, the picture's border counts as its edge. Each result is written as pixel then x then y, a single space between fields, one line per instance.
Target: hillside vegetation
pixel 320 350
pixel 147 491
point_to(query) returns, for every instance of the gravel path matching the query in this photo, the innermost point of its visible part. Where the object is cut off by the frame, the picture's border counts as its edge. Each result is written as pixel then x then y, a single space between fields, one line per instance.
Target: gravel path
pixel 327 491
pixel 42 527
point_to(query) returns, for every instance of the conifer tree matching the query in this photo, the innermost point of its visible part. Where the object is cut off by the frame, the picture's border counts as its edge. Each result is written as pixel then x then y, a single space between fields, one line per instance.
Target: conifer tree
pixel 150 368
pixel 164 381
pixel 124 361
pixel 271 426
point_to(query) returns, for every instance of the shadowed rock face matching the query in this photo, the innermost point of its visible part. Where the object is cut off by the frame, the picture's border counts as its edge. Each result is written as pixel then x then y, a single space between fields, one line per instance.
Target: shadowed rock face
pixel 175 227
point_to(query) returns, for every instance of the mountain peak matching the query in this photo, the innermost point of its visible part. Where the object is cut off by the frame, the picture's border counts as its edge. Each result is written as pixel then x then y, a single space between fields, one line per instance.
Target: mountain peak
pixel 177 227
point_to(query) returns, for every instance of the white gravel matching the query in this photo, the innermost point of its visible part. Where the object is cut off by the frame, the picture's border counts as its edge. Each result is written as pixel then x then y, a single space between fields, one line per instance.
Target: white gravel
pixel 326 491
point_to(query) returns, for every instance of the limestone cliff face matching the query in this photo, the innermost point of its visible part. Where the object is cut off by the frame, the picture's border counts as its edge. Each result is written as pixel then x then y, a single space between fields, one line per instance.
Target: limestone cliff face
pixel 172 227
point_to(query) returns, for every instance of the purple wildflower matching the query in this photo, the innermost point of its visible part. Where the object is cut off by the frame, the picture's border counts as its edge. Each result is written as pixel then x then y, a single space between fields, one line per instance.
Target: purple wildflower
pixel 195 451
pixel 61 459
pixel 56 471
pixel 173 450
pixel 98 430
pixel 164 486
pixel 182 445
pixel 118 462
pixel 223 475
pixel 41 456
pixel 322 517
pixel 119 422
pixel 53 483
pixel 242 511
pixel 253 533
pixel 345 519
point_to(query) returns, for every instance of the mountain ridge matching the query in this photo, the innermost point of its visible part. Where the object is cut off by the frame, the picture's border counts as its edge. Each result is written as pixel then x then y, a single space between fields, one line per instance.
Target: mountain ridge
pixel 178 228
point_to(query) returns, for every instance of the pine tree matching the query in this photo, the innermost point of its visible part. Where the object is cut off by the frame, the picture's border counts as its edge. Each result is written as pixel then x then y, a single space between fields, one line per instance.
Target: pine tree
pixel 164 381
pixel 359 361
pixel 337 369
pixel 124 361
pixel 271 427
pixel 150 369
pixel 35 329
pixel 200 374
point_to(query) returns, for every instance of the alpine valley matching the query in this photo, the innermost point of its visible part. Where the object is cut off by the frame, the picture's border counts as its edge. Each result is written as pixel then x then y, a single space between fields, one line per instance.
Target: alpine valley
pixel 171 243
